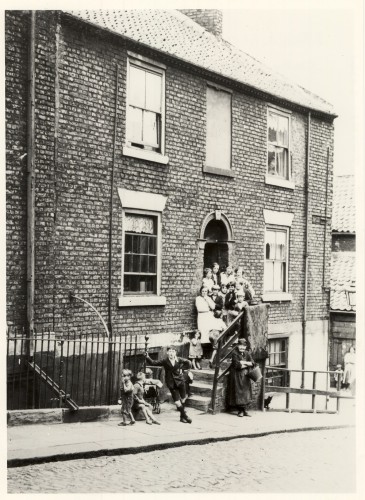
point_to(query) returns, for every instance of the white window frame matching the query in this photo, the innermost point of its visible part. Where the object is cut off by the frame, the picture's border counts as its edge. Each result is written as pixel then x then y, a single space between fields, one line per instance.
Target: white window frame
pixel 280 221
pixel 137 60
pixel 276 180
pixel 209 168
pixel 142 203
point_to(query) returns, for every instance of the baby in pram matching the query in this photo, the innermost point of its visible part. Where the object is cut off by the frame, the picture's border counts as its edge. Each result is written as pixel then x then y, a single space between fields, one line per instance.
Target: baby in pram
pixel 152 388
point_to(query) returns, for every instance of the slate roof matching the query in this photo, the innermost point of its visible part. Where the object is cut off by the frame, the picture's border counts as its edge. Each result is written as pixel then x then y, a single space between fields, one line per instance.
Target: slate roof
pixel 173 33
pixel 344 210
pixel 343 280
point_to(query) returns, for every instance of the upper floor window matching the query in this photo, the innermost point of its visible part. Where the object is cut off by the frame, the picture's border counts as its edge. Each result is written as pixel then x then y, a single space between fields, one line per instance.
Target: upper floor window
pixel 278 148
pixel 219 129
pixel 145 131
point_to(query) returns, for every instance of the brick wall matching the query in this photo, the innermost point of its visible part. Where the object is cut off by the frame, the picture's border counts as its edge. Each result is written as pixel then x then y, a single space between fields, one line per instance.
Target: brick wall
pixel 74 185
pixel 16 67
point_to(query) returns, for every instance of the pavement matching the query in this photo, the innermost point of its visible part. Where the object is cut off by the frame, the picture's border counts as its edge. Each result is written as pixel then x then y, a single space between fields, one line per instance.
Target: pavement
pixel 40 443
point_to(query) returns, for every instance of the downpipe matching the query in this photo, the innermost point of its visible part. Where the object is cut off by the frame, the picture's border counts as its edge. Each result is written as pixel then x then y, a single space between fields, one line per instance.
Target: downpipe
pixel 31 179
pixel 306 251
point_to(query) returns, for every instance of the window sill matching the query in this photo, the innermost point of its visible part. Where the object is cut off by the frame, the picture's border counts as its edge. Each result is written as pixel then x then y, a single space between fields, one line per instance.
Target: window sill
pixel 278 181
pixel 218 171
pixel 142 154
pixel 277 297
pixel 141 300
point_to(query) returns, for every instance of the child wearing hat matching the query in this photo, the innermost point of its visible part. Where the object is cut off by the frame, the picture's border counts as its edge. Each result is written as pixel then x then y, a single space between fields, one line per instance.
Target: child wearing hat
pixel 218 301
pixel 239 388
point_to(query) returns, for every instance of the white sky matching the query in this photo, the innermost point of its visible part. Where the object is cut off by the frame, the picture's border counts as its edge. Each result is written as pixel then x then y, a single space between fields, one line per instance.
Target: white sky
pixel 314 48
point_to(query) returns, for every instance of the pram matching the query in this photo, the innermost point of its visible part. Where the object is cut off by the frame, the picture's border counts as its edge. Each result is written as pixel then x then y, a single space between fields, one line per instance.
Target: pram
pixel 152 388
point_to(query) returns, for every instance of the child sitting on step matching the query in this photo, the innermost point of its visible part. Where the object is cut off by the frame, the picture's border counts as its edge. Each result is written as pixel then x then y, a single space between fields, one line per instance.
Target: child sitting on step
pixel 139 402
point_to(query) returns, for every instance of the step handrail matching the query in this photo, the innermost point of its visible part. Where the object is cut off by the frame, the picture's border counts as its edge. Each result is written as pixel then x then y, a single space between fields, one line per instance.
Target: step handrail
pixel 219 358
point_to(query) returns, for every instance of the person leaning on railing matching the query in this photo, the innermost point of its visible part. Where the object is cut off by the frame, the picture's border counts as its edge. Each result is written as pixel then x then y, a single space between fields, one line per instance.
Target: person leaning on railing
pixel 174 378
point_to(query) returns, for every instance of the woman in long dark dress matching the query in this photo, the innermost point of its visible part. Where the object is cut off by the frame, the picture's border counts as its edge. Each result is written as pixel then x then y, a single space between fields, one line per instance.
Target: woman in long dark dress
pixel 240 391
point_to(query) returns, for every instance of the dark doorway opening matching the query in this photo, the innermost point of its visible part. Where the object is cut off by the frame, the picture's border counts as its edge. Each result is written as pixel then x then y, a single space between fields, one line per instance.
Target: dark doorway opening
pixel 216 246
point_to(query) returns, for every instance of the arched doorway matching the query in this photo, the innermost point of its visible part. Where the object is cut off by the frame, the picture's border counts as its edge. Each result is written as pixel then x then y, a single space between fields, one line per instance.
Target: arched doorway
pixel 216 244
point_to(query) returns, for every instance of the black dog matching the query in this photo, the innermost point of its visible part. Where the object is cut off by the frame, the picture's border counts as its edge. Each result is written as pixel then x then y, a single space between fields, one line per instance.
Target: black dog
pixel 267 402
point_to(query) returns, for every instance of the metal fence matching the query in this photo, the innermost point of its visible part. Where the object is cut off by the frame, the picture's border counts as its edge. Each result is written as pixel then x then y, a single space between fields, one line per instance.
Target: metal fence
pixel 71 370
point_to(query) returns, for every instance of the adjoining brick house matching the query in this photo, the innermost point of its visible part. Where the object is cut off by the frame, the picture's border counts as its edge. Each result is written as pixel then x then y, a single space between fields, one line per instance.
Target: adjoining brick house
pixel 209 155
pixel 343 270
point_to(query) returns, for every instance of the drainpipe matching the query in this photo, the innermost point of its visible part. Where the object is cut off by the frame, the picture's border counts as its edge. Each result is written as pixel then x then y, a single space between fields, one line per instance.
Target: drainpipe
pixel 110 347
pixel 111 204
pixel 325 216
pixel 31 179
pixel 325 288
pixel 306 254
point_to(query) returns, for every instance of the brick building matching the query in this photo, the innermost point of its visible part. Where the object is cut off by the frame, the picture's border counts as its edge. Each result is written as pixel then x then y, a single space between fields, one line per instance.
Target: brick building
pixel 153 148
pixel 343 270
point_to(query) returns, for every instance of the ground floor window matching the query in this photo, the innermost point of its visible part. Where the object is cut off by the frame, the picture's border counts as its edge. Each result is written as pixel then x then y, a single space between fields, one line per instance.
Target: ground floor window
pixel 140 253
pixel 278 358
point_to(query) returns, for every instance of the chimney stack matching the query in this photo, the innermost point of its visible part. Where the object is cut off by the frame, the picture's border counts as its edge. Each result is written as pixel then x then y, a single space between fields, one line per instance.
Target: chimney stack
pixel 210 19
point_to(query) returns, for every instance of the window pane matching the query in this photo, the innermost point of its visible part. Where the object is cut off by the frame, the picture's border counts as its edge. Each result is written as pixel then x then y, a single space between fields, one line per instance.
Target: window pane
pixel 283 276
pixel 128 263
pixel 137 87
pixel 269 279
pixel 128 243
pixel 283 129
pixel 271 160
pixel 131 283
pixel 152 246
pixel 282 162
pixel 153 92
pixel 152 264
pixel 272 128
pixel 270 237
pixel 150 129
pixel 280 245
pixel 218 129
pixel 144 263
pixel 136 266
pixel 151 282
pixel 278 276
pixel 136 244
pixel 135 125
pixel 144 244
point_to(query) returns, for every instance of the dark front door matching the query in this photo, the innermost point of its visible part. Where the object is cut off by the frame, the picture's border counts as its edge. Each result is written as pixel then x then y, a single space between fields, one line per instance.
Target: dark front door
pixel 216 252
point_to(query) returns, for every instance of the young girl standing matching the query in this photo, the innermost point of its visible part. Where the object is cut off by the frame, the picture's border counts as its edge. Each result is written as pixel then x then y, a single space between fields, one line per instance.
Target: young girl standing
pixel 196 351
pixel 126 398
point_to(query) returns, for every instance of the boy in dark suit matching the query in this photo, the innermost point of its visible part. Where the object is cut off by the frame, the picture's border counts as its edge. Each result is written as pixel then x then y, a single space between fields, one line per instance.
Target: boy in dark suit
pixel 174 378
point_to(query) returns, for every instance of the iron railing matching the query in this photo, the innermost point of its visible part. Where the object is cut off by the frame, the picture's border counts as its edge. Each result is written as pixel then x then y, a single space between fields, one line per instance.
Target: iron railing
pixel 316 389
pixel 70 370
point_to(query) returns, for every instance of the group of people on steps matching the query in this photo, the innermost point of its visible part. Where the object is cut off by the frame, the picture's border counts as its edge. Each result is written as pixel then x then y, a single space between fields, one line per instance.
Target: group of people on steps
pixel 221 298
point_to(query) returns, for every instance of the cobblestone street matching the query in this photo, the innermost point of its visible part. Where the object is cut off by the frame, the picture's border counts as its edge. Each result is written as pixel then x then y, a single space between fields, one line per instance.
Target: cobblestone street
pixel 300 462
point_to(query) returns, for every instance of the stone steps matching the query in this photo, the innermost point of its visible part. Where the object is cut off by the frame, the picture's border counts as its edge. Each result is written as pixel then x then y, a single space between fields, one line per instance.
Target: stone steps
pixel 204 389
pixel 199 402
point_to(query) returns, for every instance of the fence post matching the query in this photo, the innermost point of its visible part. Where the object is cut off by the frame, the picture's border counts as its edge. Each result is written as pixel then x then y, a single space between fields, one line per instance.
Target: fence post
pixel 61 374
pixel 262 395
pixel 216 374
pixel 146 338
pixel 313 395
pixel 338 398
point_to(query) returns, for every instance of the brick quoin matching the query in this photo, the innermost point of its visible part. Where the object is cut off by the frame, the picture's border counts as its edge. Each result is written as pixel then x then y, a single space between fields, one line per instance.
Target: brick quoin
pixel 73 182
